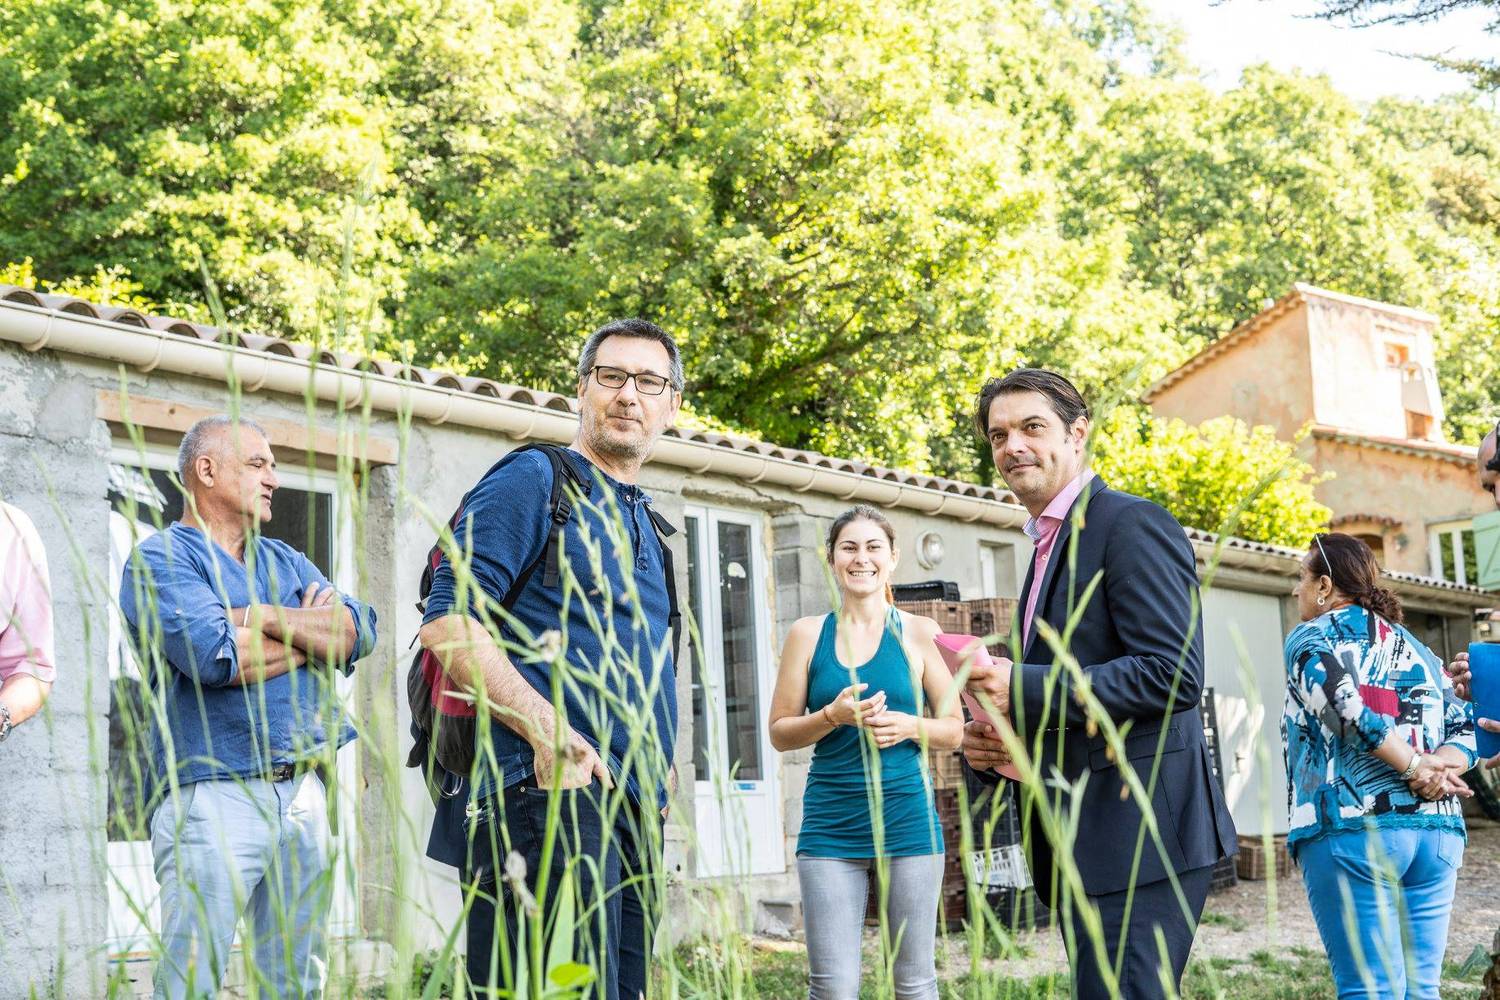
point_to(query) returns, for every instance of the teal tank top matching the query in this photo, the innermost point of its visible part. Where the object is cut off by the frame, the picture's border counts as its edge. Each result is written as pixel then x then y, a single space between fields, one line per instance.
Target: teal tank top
pixel 838 806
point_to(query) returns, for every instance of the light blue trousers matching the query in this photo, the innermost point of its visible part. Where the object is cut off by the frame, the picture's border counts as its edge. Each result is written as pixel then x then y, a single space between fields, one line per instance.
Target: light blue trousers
pixel 1382 902
pixel 834 893
pixel 260 850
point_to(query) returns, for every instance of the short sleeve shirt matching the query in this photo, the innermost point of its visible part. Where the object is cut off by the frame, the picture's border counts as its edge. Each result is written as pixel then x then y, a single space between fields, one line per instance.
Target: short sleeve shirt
pixel 26 638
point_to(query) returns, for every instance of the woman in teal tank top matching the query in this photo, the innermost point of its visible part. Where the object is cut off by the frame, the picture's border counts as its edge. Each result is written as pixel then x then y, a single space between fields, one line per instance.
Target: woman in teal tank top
pixel 868 690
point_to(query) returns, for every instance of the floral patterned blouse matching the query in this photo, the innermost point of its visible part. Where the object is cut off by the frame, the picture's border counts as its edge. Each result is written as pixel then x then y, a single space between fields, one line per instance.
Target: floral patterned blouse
pixel 1353 678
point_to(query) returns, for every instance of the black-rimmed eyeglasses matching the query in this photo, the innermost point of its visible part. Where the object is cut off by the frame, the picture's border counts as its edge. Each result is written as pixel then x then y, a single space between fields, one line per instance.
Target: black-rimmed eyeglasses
pixel 647 383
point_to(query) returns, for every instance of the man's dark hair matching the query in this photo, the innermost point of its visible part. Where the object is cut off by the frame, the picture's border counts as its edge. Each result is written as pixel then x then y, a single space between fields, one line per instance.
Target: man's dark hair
pixel 1493 437
pixel 641 330
pixel 1067 402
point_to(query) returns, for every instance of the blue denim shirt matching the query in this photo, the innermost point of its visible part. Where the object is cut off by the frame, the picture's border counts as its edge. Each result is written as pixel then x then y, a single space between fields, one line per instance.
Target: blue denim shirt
pixel 505 526
pixel 183 584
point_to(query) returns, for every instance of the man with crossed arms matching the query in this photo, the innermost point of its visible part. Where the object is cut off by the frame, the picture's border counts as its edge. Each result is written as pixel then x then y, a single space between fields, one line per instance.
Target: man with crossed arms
pixel 239 634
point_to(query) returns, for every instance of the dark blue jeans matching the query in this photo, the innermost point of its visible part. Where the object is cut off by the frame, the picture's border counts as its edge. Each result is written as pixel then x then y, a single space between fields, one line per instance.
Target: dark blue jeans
pixel 613 872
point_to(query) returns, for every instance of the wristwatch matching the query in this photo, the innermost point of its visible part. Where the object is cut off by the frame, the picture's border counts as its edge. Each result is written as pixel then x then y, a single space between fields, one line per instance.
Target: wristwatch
pixel 5 723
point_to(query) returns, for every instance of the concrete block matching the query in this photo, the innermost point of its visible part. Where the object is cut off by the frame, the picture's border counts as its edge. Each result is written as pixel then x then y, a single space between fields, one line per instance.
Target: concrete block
pixel 794 531
pixel 778 918
pixel 787 568
pixel 362 964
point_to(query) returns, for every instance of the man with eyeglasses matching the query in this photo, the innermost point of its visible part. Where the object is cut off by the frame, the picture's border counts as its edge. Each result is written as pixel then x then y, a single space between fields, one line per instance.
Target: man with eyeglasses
pixel 608 605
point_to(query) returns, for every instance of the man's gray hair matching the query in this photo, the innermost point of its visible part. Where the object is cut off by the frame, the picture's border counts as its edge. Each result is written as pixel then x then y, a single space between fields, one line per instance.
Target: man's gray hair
pixel 199 440
pixel 640 329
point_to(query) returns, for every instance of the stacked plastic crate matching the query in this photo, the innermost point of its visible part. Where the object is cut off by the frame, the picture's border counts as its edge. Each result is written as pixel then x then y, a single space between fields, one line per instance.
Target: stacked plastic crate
pixel 1224 875
pixel 995 868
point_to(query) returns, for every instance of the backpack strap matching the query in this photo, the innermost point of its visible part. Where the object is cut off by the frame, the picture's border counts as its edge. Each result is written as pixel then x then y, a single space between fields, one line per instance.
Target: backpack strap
pixel 567 477
pixel 568 482
pixel 566 474
pixel 666 529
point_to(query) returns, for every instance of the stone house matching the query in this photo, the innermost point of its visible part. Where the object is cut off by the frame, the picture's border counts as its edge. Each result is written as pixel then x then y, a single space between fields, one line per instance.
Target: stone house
pixel 93 403
pixel 1360 377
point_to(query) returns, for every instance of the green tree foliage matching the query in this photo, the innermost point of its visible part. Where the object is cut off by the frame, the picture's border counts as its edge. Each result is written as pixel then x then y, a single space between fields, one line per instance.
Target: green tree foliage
pixel 1484 72
pixel 1229 198
pixel 1204 474
pixel 269 138
pixel 109 286
pixel 850 212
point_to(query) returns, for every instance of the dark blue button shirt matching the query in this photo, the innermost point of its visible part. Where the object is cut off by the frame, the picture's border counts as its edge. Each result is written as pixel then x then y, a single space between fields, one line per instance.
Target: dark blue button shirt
pixel 618 691
pixel 183 584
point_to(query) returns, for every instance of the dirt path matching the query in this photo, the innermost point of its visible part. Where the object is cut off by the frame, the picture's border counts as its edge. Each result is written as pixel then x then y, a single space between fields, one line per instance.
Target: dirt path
pixel 1236 921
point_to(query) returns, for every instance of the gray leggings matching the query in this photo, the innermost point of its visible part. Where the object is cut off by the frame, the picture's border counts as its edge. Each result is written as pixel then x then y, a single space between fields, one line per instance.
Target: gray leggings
pixel 834 892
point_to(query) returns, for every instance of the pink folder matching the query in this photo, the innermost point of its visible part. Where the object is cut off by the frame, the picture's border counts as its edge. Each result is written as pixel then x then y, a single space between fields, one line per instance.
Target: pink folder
pixel 957 650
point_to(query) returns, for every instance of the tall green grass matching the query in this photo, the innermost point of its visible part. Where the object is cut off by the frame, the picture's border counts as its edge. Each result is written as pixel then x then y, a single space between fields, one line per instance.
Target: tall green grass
pixel 378 854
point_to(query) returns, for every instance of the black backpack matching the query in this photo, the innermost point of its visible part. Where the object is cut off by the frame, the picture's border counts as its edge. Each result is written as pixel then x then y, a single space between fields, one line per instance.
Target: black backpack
pixel 444 726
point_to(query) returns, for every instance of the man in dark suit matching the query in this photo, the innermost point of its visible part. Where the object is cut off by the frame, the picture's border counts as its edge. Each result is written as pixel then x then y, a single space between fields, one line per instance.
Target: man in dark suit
pixel 1139 642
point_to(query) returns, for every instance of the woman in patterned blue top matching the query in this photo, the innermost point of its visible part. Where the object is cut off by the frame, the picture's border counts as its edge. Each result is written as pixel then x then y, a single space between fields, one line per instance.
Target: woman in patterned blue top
pixel 853 685
pixel 1375 743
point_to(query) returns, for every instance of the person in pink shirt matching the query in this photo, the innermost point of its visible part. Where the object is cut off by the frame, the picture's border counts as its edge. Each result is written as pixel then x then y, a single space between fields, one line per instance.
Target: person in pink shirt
pixel 27 656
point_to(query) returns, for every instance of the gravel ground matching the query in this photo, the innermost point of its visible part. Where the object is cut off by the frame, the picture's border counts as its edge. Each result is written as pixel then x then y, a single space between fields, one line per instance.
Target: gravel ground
pixel 1237 923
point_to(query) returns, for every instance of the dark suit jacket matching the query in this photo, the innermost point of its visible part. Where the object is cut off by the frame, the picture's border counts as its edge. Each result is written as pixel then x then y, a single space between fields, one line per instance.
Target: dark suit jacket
pixel 1140 643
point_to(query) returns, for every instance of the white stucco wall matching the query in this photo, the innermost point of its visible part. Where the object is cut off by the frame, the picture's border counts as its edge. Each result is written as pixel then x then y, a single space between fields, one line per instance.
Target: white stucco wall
pixel 1242 636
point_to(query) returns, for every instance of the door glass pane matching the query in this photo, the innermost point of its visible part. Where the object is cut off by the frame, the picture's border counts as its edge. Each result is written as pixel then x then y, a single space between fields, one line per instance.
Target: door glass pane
pixel 742 713
pixel 1447 570
pixel 701 735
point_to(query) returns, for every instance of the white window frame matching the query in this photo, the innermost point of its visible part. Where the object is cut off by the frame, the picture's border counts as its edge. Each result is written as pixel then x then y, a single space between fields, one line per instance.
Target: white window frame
pixel 720 786
pixel 1437 533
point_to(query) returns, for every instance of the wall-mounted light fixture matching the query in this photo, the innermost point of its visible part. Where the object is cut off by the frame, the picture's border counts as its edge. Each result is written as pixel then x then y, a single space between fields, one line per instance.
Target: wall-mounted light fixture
pixel 929 549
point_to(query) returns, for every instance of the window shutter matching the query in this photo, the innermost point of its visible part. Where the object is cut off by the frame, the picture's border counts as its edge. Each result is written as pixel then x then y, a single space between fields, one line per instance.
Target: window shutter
pixel 1487 549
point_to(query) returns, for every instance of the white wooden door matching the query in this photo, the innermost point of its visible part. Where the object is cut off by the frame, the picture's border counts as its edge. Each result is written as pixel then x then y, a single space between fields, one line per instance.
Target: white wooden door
pixel 737 808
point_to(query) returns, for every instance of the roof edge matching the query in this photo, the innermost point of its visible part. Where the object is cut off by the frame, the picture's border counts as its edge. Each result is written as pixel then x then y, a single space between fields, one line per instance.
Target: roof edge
pixel 1238 334
pixel 1456 454
pixel 146 349
pixel 1343 298
pixel 1300 291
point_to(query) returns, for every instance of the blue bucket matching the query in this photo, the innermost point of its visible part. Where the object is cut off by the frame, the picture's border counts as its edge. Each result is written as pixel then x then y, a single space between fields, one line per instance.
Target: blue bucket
pixel 1484 662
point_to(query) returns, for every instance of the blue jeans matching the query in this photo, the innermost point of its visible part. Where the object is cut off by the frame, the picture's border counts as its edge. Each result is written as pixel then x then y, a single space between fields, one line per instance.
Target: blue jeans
pixel 260 850
pixel 1382 902
pixel 613 863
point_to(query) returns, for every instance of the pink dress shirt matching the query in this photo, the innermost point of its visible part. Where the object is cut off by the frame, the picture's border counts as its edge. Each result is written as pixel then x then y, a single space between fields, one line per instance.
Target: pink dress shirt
pixel 26 643
pixel 1043 530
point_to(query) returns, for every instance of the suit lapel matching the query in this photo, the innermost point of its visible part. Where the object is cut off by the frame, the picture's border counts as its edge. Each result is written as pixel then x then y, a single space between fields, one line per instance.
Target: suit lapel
pixel 1056 562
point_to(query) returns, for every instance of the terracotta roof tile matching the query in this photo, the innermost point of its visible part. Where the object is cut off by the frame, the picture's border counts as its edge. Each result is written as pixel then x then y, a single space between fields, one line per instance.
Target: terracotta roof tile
pixel 474 385
pixel 1265 548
